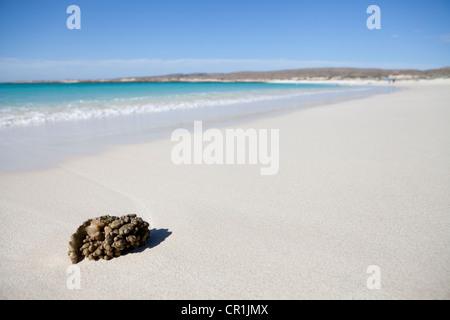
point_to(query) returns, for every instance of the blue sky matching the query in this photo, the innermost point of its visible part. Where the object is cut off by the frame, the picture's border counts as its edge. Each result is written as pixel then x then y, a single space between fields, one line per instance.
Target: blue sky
pixel 121 38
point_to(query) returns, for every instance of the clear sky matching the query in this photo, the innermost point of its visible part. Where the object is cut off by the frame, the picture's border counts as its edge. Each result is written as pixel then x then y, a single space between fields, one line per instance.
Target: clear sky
pixel 122 38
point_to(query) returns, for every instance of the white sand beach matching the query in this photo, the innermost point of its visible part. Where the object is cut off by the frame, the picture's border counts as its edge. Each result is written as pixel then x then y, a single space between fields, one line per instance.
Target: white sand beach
pixel 363 182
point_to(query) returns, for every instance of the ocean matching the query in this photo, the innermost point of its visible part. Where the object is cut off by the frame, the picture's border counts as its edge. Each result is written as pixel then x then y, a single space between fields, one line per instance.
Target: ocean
pixel 44 124
pixel 34 104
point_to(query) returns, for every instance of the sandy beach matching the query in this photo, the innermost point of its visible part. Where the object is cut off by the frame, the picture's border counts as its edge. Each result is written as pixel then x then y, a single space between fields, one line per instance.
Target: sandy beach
pixel 360 183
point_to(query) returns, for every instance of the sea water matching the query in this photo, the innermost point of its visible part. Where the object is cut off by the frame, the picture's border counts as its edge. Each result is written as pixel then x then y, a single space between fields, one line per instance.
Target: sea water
pixel 43 123
pixel 40 103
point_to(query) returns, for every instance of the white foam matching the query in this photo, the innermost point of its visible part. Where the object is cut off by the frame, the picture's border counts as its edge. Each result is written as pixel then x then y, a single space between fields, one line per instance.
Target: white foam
pixel 95 109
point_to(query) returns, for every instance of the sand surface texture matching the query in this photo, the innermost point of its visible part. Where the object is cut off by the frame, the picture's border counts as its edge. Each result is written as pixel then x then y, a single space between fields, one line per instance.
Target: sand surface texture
pixel 364 182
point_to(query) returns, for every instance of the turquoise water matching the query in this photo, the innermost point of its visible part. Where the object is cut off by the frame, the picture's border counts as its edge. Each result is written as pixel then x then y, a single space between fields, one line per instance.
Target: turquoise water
pixel 37 104
pixel 42 125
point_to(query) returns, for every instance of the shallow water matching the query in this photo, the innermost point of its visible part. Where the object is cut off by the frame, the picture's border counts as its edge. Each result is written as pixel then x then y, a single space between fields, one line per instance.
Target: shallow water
pixel 35 144
pixel 40 103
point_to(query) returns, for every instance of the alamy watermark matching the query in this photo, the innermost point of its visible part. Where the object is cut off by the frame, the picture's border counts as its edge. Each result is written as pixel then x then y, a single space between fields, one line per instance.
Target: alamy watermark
pixel 374 21
pixel 74 278
pixel 74 20
pixel 374 280
pixel 236 146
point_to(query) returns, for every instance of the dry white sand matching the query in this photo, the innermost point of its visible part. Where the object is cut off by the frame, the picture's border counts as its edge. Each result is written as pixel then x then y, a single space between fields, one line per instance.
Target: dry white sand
pixel 361 183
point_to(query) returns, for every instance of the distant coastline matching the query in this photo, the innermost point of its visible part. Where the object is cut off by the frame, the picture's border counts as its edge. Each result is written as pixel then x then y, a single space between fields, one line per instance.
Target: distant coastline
pixel 309 74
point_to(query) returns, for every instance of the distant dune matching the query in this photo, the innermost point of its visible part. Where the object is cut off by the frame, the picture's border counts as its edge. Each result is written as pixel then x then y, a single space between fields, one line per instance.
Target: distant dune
pixel 295 74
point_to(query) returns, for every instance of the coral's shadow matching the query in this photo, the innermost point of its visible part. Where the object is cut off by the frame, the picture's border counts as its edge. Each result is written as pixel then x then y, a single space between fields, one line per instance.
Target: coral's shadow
pixel 156 237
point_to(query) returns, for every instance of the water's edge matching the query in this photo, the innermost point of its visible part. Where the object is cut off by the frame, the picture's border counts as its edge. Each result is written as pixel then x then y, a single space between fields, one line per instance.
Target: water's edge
pixel 40 147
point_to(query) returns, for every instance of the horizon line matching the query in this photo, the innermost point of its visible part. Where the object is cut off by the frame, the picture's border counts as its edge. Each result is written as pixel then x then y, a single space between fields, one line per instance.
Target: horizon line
pixel 176 77
pixel 26 70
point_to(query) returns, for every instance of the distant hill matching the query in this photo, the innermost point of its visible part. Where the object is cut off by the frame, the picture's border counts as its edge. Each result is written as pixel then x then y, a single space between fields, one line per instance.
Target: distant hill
pixel 295 74
pixel 305 74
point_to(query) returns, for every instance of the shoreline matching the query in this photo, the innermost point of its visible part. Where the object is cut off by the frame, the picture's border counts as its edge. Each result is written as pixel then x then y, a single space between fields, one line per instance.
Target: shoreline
pixel 361 182
pixel 45 145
